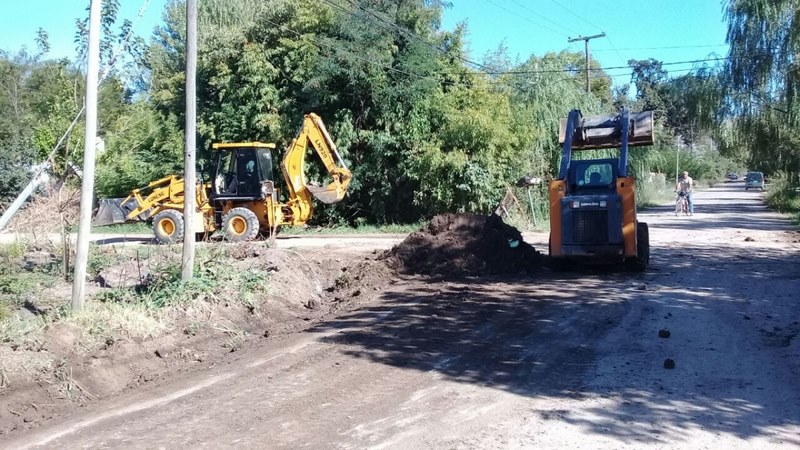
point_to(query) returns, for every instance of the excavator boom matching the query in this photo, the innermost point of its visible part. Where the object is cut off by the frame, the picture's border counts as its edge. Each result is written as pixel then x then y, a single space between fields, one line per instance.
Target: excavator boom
pixel 293 165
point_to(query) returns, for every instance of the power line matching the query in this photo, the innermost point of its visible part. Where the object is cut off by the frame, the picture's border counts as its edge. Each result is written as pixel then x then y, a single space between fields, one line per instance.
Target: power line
pixel 617 75
pixel 671 63
pixel 576 15
pixel 403 31
pixel 660 48
pixel 525 18
pixel 542 16
pixel 621 59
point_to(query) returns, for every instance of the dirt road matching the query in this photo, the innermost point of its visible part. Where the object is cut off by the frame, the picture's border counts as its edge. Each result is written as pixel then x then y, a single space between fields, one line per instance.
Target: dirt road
pixel 547 361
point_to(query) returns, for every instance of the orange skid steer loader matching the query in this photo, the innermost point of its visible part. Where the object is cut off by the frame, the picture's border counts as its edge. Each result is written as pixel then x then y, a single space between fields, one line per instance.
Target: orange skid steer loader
pixel 592 202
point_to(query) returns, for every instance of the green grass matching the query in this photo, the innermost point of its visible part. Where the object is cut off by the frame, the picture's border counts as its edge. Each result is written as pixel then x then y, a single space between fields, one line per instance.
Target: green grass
pixel 360 229
pixel 14 250
pixel 125 228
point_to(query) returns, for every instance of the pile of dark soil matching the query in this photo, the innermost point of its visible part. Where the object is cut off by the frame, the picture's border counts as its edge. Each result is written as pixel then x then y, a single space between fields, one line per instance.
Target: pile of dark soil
pixel 464 244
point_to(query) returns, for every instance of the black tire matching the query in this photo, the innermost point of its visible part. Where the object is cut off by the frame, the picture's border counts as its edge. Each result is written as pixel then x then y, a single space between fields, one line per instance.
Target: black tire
pixel 557 264
pixel 642 259
pixel 168 227
pixel 239 225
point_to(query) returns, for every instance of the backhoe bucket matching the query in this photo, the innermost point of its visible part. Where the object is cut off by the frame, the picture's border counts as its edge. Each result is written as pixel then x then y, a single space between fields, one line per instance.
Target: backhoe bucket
pixel 327 194
pixel 110 211
pixel 335 190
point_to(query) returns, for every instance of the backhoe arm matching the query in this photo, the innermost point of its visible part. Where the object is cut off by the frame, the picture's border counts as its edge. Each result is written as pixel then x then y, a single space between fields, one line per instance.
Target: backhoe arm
pixel 313 131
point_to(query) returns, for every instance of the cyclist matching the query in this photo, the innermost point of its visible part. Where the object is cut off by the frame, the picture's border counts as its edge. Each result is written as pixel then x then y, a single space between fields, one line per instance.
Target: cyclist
pixel 686 185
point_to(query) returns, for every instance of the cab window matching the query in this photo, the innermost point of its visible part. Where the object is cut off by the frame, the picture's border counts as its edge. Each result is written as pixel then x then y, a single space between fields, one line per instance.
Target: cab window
pixel 595 175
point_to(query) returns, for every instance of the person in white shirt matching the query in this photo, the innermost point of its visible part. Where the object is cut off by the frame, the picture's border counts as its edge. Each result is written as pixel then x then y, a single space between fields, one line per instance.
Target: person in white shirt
pixel 686 185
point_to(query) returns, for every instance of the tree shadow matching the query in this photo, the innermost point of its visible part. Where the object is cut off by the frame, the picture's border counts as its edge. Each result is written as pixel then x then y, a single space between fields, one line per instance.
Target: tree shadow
pixel 537 336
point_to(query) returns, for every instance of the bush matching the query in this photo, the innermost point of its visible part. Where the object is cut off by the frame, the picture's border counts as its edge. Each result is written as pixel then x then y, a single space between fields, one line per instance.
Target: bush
pixel 783 195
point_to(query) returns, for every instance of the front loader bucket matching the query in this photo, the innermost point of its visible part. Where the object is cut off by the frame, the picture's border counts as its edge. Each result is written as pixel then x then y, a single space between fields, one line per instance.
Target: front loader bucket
pixel 110 211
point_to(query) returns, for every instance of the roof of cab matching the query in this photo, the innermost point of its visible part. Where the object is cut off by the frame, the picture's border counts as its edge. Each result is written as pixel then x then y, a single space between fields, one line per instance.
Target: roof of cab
pixel 232 145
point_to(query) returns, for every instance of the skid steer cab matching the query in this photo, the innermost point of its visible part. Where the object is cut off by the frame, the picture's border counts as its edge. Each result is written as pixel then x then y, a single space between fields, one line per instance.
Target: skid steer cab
pixel 242 199
pixel 592 202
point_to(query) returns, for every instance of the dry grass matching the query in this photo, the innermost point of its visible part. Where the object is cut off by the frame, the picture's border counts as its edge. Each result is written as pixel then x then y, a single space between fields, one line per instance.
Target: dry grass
pixel 99 321
pixel 51 212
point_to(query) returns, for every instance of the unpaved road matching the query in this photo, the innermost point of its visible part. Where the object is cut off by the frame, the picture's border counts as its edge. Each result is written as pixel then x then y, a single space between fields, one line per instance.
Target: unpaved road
pixel 556 360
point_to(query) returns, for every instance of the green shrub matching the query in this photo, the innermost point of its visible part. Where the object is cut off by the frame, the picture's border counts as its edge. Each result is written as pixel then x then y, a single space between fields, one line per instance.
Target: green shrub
pixel 783 195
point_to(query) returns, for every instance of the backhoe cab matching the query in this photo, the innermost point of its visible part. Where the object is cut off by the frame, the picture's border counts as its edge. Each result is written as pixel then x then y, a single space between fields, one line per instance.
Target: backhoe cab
pixel 242 198
pixel 592 204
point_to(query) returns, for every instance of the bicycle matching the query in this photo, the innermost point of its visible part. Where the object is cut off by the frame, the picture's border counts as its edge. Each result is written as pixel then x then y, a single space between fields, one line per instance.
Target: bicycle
pixel 682 204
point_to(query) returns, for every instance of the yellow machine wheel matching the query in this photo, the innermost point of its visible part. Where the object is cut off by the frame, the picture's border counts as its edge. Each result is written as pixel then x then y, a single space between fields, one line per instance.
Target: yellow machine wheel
pixel 168 227
pixel 240 224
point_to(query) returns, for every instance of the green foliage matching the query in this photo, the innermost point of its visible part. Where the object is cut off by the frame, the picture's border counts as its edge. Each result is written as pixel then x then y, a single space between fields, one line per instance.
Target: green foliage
pixel 12 251
pixel 125 228
pixel 423 131
pixel 784 195
pixel 102 258
pixel 139 149
pixel 763 85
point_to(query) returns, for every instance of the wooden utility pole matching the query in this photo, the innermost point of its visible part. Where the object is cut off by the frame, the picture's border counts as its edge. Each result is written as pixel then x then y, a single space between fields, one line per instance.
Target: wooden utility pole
pixel 189 178
pixel 586 40
pixel 90 142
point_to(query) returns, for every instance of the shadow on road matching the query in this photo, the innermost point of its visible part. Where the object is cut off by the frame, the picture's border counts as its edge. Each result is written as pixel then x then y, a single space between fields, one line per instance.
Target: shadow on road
pixel 538 336
pixel 125 240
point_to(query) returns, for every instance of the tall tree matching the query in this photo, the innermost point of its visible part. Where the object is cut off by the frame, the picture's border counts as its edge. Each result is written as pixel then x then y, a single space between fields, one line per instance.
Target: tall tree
pixel 764 38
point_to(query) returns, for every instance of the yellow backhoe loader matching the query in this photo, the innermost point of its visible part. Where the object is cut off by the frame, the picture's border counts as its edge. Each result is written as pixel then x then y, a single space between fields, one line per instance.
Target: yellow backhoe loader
pixel 242 200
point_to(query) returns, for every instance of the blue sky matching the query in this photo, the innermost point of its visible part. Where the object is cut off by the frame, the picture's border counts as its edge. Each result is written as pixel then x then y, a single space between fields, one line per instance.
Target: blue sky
pixel 693 29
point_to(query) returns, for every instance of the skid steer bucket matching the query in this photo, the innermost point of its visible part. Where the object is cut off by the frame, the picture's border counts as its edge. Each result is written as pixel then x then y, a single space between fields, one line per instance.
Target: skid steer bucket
pixel 111 211
pixel 603 131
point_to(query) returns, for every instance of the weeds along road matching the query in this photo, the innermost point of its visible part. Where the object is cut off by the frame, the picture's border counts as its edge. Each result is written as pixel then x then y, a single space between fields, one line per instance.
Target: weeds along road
pixel 352 241
pixel 552 360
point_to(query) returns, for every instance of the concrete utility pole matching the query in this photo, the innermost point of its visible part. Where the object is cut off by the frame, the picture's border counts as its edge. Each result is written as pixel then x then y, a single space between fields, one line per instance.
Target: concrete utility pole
pixel 586 39
pixel 189 178
pixel 90 141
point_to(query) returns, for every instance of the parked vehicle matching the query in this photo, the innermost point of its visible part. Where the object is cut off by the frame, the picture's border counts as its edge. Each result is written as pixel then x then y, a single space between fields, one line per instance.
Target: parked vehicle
pixel 732 176
pixel 754 180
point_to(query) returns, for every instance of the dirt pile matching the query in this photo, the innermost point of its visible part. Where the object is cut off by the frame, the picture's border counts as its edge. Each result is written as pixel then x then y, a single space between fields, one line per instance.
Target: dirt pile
pixel 464 244
pixel 362 281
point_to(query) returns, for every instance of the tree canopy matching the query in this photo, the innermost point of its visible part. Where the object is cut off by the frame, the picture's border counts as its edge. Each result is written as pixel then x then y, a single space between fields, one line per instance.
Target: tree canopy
pixel 424 127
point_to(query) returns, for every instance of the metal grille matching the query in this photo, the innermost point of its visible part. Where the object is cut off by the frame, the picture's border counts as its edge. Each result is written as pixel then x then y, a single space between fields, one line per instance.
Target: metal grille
pixel 590 226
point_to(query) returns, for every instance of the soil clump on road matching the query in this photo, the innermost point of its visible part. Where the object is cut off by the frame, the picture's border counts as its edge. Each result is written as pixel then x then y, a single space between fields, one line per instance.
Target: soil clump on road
pixel 464 244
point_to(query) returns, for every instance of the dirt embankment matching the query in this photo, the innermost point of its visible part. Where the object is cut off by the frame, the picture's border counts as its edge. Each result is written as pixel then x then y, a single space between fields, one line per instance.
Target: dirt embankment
pixel 71 364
